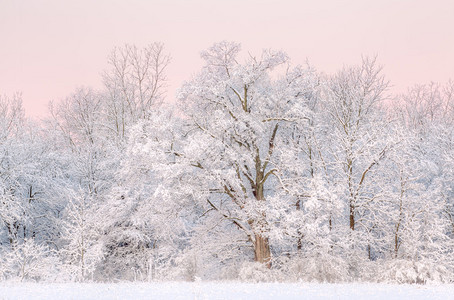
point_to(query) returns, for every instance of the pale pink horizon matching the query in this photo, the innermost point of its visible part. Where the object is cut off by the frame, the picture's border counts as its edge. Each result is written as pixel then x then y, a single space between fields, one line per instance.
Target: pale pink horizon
pixel 50 47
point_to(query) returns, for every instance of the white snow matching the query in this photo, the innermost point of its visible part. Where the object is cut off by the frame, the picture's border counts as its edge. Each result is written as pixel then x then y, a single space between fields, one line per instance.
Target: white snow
pixel 214 290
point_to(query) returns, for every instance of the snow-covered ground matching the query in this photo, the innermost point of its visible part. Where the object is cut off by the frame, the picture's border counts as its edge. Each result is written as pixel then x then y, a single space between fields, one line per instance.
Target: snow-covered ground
pixel 210 290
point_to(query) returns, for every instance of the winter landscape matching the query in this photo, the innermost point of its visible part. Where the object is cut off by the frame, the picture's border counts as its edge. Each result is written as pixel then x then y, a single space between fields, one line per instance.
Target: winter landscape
pixel 263 178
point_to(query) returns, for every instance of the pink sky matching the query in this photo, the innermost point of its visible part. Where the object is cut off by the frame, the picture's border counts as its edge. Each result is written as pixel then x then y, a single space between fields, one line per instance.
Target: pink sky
pixel 50 47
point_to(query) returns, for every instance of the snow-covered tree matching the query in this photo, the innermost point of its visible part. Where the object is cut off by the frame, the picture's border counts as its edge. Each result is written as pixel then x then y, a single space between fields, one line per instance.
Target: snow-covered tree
pixel 29 261
pixel 236 115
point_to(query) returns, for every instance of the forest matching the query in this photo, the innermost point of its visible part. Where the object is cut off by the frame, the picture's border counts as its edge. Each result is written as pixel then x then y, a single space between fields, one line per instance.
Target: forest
pixel 260 170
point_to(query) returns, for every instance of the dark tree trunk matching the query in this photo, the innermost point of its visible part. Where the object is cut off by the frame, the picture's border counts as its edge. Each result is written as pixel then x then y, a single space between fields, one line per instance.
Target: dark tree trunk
pixel 352 217
pixel 262 252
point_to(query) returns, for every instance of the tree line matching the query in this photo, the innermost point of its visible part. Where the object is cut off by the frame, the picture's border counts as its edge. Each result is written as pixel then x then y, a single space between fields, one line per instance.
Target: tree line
pixel 261 170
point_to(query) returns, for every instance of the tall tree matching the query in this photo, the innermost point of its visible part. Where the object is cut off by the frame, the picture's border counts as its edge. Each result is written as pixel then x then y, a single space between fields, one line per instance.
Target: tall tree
pixel 236 114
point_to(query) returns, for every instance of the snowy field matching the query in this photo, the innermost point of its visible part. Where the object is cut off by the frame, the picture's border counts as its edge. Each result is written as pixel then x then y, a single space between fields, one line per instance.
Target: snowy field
pixel 209 290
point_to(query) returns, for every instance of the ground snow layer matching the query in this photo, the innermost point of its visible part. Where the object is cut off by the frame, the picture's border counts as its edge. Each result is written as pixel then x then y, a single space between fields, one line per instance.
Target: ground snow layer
pixel 211 290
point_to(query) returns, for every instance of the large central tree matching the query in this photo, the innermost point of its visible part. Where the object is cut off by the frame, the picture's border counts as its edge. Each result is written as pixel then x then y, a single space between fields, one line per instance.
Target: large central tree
pixel 237 115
